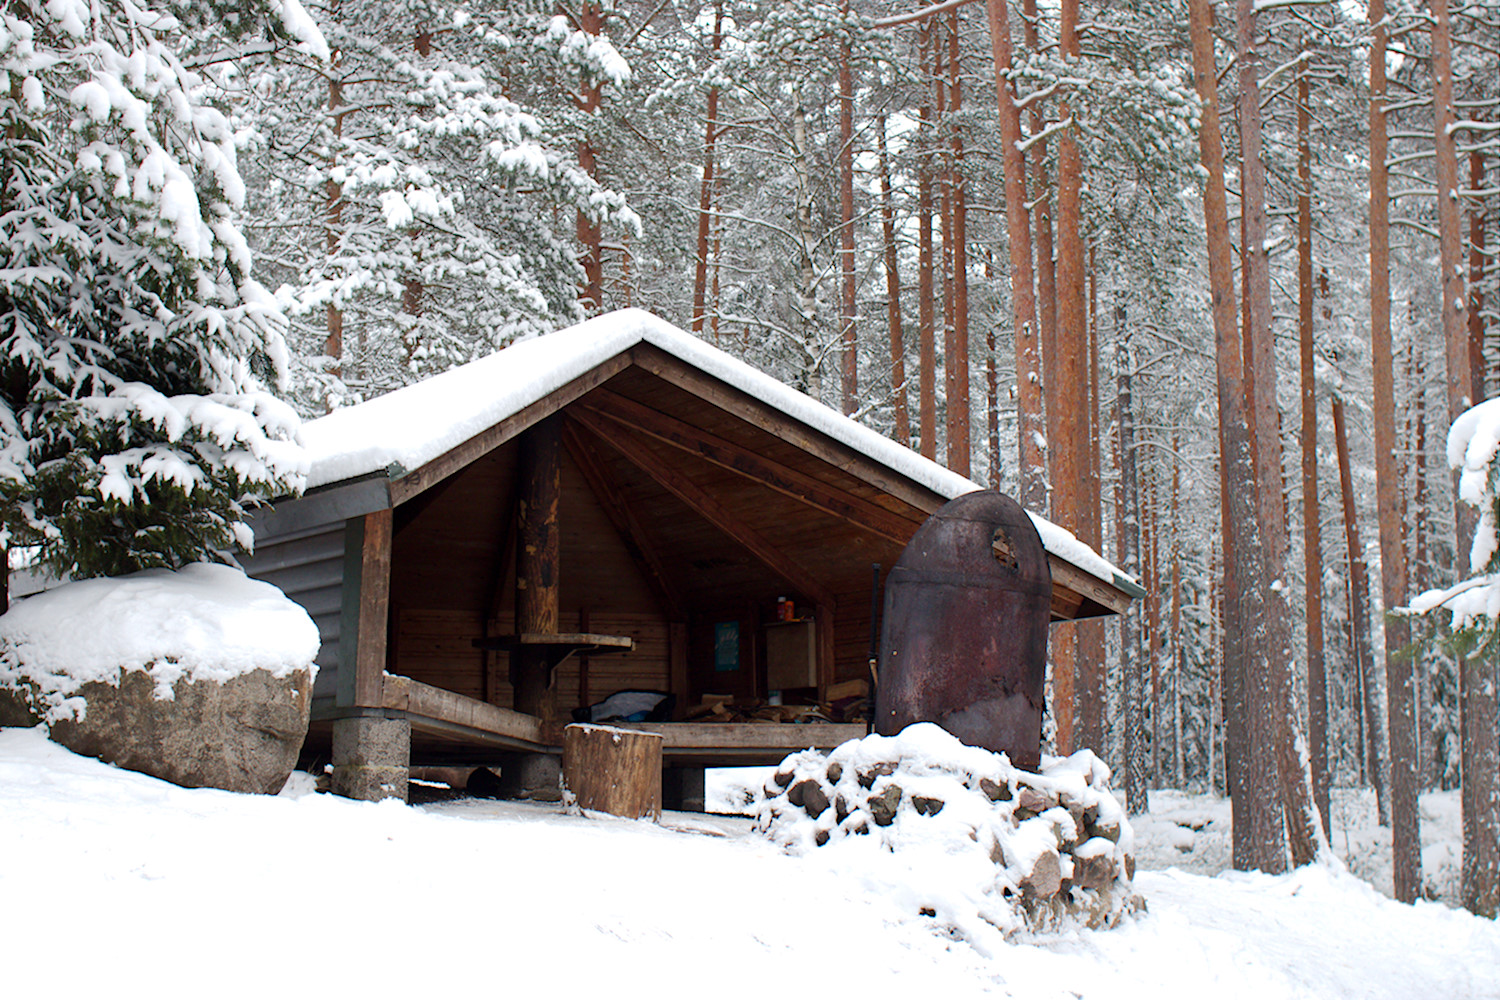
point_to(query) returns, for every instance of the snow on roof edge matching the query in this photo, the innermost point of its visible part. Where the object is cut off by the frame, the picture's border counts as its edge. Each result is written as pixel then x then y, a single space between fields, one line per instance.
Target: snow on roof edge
pixel 406 428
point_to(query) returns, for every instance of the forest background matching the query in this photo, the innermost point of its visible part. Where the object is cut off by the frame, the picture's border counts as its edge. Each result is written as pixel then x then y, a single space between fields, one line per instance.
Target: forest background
pixel 1206 292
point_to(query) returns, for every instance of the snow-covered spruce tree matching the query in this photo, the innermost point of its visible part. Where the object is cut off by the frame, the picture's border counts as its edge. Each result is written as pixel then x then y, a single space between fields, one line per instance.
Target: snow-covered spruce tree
pixel 134 346
pixel 1474 604
pixel 410 201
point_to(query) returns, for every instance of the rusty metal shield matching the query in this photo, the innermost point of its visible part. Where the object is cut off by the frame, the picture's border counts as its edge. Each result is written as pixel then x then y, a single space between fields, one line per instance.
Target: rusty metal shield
pixel 964 640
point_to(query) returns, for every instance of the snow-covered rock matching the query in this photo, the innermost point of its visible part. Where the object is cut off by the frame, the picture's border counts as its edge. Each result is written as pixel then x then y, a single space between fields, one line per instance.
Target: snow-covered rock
pixel 1017 850
pixel 201 676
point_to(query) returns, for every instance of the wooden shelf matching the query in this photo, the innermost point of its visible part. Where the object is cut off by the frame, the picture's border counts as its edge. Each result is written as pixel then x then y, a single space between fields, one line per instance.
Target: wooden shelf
pixel 573 642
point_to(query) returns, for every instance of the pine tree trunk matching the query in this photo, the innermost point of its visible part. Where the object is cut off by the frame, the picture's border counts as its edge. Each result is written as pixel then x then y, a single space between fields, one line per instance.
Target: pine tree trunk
pixel 1405 840
pixel 333 208
pixel 1282 741
pixel 1251 783
pixel 706 185
pixel 1151 518
pixel 1089 689
pixel 1312 545
pixel 847 326
pixel 1133 665
pixel 1030 428
pixel 945 217
pixel 807 293
pixel 957 362
pixel 1046 270
pixel 590 22
pixel 892 292
pixel 1476 277
pixel 1179 770
pixel 927 349
pixel 1215 687
pixel 1359 609
pixel 992 388
pixel 1477 704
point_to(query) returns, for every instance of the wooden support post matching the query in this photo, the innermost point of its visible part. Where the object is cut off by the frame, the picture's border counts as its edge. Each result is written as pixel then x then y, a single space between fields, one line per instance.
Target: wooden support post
pixel 617 771
pixel 823 621
pixel 677 665
pixel 365 616
pixel 537 554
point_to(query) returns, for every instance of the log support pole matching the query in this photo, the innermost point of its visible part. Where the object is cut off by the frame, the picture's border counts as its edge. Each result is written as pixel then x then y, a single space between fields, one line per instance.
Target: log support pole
pixel 532 775
pixel 537 556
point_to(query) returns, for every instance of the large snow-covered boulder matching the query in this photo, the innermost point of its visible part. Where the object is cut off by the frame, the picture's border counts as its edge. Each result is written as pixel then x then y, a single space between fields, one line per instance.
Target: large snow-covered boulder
pixel 200 676
pixel 979 842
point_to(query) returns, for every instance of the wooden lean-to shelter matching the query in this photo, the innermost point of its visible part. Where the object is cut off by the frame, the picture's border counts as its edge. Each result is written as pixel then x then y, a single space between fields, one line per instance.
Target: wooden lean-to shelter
pixel 614 506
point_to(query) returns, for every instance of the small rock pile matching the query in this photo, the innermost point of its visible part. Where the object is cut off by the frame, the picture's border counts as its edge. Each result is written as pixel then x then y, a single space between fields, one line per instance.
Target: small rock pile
pixel 1024 851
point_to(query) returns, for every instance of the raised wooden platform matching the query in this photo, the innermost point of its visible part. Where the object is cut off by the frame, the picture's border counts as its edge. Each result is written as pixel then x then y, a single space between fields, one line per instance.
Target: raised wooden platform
pixel 453 728
pixel 734 744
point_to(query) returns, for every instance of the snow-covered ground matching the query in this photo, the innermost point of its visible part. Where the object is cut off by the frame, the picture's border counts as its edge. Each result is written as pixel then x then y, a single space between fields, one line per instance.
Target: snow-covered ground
pixel 118 884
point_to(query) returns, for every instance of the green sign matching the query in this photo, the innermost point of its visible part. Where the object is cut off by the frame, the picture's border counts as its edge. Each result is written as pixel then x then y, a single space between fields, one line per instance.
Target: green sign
pixel 726 646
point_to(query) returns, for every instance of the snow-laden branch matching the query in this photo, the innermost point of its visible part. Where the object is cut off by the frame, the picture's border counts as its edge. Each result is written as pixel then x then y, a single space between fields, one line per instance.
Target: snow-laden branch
pixel 1050 130
pixel 932 10
pixel 1261 5
pixel 1474 126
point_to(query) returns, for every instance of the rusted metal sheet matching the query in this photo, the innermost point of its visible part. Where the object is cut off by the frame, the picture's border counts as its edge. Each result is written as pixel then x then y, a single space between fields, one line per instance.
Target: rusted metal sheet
pixel 964 642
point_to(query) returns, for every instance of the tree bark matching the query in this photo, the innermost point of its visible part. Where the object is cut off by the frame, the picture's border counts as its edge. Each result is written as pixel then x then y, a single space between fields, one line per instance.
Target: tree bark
pixel 1089 689
pixel 538 554
pixel 1030 428
pixel 706 185
pixel 1133 666
pixel 1406 846
pixel 1046 270
pixel 1359 611
pixel 807 294
pixel 1477 369
pixel 1151 517
pixel 927 349
pixel 1179 768
pixel 992 389
pixel 900 415
pixel 333 209
pixel 590 22
pixel 1481 784
pixel 848 316
pixel 1282 741
pixel 1312 545
pixel 945 217
pixel 959 429
pixel 1252 787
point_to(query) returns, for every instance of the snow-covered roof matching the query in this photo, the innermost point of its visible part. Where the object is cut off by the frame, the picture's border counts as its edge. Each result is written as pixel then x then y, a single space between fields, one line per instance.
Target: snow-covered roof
pixel 405 429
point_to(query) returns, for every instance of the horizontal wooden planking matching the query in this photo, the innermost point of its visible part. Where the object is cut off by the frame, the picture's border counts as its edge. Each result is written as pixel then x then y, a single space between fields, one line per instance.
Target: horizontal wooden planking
pixel 435 646
pixel 679 737
pixel 405 694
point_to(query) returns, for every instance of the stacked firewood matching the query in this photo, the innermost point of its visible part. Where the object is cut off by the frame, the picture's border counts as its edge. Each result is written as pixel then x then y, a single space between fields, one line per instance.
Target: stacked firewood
pixel 1046 849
